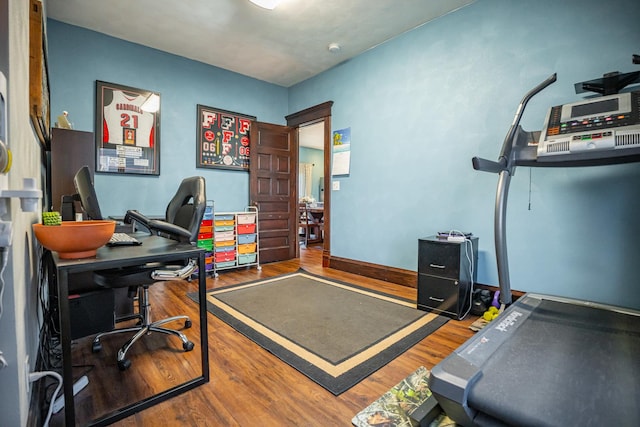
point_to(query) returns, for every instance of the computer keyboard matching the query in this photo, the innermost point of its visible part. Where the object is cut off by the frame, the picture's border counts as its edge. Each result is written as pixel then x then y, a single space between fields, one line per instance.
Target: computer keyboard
pixel 123 239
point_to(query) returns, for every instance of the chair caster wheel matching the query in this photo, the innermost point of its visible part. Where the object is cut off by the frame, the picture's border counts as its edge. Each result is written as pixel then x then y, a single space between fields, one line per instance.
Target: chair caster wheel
pixel 188 346
pixel 124 364
pixel 96 347
pixel 187 324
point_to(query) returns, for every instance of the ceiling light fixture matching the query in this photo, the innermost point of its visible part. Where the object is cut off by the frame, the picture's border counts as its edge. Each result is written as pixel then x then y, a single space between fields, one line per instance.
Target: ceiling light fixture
pixel 334 47
pixel 267 4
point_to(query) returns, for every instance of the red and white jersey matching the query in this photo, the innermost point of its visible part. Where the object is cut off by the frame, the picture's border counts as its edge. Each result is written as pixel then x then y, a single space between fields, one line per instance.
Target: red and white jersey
pixel 125 123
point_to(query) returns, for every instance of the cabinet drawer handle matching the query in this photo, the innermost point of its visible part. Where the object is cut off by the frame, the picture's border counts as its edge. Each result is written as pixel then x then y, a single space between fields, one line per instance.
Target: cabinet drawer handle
pixel 437 266
pixel 436 299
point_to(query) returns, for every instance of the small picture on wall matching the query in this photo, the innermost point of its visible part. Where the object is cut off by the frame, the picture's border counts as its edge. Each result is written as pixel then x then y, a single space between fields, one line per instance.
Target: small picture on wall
pixel 127 130
pixel 223 139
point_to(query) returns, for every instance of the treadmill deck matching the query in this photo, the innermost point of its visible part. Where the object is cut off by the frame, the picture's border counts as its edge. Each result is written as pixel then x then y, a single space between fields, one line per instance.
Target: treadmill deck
pixel 546 361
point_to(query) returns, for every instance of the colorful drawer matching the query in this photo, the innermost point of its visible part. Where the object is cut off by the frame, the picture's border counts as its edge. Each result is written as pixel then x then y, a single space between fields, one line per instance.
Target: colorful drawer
pixel 246 238
pixel 225 264
pixel 247 218
pixel 247 258
pixel 247 248
pixel 225 256
pixel 225 217
pixel 225 243
pixel 224 235
pixel 246 228
pixel 206 244
pixel 205 236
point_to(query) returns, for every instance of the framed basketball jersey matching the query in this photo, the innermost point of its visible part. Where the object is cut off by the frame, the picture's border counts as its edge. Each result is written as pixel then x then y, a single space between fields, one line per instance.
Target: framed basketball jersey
pixel 127 130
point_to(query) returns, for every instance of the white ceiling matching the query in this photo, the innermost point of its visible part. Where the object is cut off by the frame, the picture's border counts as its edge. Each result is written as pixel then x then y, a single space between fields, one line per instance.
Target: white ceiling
pixel 312 136
pixel 283 46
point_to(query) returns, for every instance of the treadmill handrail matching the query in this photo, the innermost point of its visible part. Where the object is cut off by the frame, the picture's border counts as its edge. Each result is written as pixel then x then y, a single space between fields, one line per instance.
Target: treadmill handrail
pixel 505 167
pixel 509 141
pixel 485 165
pixel 505 160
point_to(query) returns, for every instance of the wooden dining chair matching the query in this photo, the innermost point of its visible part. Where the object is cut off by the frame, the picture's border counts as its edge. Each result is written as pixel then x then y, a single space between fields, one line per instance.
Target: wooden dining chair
pixel 305 222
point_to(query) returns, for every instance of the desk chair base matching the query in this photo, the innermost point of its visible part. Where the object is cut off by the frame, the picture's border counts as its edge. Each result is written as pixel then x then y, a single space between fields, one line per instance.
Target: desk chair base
pixel 144 328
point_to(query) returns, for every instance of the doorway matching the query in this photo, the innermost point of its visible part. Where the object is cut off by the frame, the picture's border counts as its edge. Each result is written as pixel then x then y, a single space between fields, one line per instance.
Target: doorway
pixel 317 121
pixel 311 185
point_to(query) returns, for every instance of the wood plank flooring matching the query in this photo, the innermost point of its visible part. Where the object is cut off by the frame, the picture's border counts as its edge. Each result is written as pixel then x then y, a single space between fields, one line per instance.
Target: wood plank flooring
pixel 248 386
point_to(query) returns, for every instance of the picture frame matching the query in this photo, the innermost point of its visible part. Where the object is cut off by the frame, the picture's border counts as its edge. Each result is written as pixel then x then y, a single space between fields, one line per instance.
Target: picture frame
pixel 39 104
pixel 127 130
pixel 223 139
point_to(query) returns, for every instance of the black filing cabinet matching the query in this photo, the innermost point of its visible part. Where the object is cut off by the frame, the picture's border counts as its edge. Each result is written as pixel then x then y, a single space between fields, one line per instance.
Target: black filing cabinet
pixel 444 275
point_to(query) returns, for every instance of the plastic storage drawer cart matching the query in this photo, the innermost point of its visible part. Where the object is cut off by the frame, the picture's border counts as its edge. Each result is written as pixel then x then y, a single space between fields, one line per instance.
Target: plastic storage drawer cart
pixel 236 239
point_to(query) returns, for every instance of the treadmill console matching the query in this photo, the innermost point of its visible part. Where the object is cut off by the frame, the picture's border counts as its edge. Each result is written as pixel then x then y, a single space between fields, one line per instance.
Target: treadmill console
pixel 607 126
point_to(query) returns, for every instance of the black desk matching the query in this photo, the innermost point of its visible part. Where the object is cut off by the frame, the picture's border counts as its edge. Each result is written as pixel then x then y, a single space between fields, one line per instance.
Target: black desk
pixel 153 248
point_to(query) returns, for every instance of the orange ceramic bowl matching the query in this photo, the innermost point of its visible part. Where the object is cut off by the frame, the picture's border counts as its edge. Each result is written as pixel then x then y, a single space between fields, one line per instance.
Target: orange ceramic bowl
pixel 73 240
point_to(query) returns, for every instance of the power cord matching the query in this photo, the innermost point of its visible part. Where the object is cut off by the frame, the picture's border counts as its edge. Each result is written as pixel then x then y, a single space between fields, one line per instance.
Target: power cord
pixel 35 376
pixel 468 251
pixel 49 348
pixel 5 259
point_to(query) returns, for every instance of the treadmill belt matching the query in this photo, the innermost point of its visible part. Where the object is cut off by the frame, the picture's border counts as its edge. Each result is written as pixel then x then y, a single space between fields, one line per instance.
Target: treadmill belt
pixel 568 365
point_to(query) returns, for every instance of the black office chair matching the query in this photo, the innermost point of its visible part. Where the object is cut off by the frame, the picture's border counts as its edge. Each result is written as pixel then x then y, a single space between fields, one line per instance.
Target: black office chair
pixel 183 217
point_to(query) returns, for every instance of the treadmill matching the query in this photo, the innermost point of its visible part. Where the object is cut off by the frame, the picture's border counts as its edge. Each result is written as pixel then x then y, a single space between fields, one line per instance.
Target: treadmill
pixel 546 360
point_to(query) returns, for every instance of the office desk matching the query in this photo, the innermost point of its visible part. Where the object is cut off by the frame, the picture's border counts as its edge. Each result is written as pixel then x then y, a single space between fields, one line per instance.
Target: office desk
pixel 153 249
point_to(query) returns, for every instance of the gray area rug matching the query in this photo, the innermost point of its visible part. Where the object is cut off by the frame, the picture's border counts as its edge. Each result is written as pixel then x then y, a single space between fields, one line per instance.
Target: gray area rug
pixel 336 333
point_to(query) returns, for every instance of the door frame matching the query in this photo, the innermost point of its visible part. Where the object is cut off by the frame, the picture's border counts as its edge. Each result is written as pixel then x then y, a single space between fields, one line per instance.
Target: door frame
pixel 316 114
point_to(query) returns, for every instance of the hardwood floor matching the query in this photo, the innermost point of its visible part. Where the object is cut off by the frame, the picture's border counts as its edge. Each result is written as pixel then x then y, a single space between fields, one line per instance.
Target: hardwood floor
pixel 248 386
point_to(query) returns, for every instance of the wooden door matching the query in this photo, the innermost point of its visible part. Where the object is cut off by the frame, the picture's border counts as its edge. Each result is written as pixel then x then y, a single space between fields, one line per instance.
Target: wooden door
pixel 272 185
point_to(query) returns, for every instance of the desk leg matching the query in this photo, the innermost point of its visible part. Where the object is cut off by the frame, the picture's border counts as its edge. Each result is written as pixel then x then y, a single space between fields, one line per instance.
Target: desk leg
pixel 65 340
pixel 204 334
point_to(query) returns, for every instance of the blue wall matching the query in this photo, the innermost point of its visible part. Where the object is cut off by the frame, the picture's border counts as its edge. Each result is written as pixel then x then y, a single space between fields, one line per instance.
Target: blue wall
pixel 422 105
pixel 419 108
pixel 78 57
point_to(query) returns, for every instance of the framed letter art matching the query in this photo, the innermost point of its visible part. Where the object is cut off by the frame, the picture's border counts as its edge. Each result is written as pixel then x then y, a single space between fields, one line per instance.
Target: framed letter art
pixel 223 139
pixel 127 130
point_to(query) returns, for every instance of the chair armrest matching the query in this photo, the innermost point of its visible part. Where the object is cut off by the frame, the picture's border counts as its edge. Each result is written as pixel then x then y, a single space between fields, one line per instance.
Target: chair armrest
pixel 157 226
pixel 133 215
